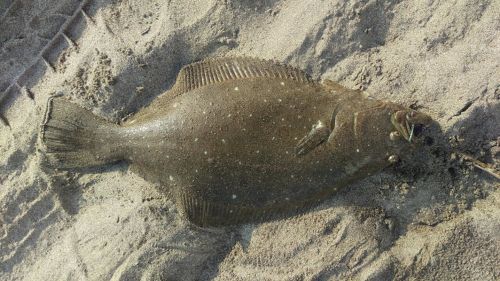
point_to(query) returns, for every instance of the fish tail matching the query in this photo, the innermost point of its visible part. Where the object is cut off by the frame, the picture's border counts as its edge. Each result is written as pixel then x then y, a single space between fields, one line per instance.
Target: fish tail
pixel 75 138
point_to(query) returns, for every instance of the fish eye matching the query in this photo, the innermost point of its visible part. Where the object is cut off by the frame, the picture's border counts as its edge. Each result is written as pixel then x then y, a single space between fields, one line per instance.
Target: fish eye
pixel 411 114
pixel 399 116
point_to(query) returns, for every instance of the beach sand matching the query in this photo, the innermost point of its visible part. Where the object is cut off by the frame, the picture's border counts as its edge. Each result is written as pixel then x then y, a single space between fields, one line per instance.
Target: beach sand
pixel 431 218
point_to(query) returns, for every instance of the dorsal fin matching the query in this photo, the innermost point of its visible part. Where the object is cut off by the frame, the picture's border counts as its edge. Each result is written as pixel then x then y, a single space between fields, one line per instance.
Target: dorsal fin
pixel 215 70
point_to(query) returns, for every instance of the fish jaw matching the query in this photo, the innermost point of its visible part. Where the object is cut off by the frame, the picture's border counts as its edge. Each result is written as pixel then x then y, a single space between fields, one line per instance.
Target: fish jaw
pixel 405 120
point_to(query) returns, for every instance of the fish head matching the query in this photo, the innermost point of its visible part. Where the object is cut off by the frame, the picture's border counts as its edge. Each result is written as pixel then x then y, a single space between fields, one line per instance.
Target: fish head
pixel 388 130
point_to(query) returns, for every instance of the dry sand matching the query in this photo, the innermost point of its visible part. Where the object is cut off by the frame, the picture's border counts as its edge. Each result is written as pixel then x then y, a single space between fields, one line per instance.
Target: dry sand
pixel 433 218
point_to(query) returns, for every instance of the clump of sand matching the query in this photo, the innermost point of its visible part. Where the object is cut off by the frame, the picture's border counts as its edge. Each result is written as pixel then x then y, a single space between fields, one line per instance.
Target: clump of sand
pixel 432 218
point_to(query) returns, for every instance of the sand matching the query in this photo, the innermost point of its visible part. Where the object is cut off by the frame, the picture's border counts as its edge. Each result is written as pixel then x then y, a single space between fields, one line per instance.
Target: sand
pixel 433 217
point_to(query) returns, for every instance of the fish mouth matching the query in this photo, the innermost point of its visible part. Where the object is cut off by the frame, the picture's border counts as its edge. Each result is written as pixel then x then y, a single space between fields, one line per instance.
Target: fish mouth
pixel 409 123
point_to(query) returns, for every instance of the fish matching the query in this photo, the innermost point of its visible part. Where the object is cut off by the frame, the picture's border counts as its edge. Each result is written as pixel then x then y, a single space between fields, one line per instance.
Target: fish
pixel 240 140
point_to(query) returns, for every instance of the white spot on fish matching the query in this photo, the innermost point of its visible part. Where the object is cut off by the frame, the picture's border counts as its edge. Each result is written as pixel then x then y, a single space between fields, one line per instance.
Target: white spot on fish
pixel 280 100
pixel 206 152
pixel 273 138
pixel 282 83
pixel 204 112
pixel 282 119
pixel 223 141
pixel 171 178
pixel 175 104
pixel 233 196
pixel 357 149
pixel 250 115
pixel 236 89
pixel 195 139
pixel 229 115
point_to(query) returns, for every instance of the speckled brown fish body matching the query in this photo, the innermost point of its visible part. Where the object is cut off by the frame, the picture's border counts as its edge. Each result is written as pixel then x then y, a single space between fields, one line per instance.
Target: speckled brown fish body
pixel 238 140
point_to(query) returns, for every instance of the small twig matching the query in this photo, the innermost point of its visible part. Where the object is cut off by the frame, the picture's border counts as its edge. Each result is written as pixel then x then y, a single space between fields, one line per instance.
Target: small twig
pixel 4 121
pixel 480 165
pixel 464 108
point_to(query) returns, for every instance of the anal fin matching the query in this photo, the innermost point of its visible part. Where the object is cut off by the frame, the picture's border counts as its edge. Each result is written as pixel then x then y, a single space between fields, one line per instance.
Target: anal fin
pixel 204 212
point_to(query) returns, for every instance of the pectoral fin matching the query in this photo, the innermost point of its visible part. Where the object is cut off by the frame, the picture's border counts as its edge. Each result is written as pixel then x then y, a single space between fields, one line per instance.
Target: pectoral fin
pixel 318 134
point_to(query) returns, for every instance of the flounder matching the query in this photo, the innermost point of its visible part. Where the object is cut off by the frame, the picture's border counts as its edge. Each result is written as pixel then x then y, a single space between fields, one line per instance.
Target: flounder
pixel 240 140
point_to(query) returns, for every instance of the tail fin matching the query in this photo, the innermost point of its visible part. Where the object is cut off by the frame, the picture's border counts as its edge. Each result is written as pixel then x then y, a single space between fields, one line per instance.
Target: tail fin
pixel 76 138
